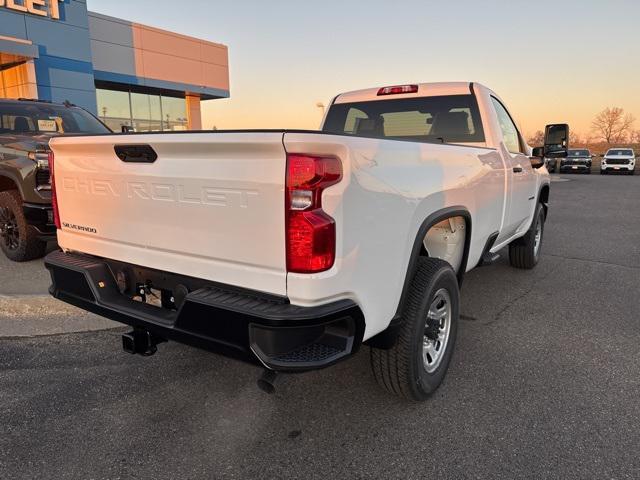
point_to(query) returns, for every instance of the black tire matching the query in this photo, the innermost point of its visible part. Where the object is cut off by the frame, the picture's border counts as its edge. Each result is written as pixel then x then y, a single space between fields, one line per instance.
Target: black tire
pixel 522 251
pixel 401 370
pixel 632 172
pixel 18 240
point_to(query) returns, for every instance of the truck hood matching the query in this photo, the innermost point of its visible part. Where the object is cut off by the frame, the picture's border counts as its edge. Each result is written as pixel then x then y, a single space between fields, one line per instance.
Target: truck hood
pixel 620 157
pixel 27 143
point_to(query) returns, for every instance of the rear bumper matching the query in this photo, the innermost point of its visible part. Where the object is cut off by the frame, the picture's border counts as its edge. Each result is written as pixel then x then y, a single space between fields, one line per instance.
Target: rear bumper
pixel 238 323
pixel 40 217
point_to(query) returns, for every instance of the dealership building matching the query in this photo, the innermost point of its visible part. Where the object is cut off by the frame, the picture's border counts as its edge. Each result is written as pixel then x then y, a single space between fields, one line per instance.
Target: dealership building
pixel 123 72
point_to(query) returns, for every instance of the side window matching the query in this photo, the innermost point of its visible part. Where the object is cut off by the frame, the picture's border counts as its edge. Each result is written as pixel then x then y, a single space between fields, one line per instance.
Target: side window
pixel 509 130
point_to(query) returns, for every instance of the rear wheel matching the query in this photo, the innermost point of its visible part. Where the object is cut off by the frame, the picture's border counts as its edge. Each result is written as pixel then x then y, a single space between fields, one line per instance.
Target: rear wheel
pixel 416 365
pixel 18 240
pixel 525 251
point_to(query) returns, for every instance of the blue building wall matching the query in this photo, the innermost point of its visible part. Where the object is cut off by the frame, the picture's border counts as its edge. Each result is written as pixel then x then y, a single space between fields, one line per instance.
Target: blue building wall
pixel 64 68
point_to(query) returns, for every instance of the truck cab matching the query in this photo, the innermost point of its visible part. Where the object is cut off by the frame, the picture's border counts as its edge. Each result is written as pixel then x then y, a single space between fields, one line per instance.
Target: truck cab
pixel 26 126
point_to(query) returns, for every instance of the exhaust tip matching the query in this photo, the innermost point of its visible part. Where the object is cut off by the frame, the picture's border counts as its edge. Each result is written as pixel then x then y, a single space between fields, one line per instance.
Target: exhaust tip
pixel 267 381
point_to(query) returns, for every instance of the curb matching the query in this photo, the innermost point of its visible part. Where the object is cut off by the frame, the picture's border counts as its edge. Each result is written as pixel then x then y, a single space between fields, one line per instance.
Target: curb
pixel 42 315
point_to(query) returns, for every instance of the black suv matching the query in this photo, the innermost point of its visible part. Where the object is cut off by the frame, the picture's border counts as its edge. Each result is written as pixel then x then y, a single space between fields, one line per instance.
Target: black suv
pixel 577 161
pixel 26 219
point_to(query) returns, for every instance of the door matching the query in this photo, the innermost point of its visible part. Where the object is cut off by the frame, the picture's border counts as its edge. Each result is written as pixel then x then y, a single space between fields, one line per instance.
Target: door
pixel 521 179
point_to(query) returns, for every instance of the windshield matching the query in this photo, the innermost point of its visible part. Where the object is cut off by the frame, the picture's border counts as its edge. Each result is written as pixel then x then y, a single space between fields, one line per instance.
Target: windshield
pixel 628 153
pixel 26 118
pixel 453 118
pixel 579 153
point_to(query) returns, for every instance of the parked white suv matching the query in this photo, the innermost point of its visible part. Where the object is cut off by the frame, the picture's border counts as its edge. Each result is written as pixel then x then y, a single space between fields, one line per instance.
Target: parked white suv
pixel 291 249
pixel 619 160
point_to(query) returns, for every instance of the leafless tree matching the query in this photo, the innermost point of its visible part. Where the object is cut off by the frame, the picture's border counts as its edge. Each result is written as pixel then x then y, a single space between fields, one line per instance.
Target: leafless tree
pixel 537 139
pixel 574 139
pixel 612 125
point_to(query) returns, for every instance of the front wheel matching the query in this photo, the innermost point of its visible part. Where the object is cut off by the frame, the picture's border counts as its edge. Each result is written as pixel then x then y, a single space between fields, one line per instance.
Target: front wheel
pixel 524 252
pixel 416 365
pixel 18 240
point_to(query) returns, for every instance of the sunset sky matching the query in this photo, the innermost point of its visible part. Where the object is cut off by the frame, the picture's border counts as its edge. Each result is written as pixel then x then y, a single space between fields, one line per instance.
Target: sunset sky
pixel 551 61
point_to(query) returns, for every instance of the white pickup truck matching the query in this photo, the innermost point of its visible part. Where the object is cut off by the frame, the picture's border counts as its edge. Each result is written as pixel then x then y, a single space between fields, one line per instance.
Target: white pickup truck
pixel 291 249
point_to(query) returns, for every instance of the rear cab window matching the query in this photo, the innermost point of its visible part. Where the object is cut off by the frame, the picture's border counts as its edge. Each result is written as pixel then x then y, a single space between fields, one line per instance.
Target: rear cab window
pixel 442 119
pixel 32 118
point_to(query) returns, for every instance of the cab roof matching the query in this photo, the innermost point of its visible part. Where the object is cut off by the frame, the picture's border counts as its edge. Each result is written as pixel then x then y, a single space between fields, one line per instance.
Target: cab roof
pixel 423 90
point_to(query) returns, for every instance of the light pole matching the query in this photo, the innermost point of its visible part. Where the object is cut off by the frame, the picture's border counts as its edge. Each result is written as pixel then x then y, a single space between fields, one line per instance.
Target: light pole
pixel 321 106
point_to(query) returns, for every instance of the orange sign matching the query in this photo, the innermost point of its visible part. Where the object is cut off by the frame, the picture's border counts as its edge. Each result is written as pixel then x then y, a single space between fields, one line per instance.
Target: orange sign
pixel 34 7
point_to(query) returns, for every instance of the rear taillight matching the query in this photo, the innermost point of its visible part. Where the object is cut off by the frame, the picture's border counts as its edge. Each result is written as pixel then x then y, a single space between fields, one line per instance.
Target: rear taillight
pixel 54 198
pixel 398 89
pixel 311 232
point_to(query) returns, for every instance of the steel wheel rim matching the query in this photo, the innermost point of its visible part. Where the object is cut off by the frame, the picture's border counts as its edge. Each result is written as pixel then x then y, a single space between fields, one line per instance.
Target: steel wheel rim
pixel 9 232
pixel 538 238
pixel 437 331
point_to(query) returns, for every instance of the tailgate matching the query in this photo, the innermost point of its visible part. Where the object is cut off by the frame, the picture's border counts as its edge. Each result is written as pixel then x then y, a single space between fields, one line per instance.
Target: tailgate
pixel 210 206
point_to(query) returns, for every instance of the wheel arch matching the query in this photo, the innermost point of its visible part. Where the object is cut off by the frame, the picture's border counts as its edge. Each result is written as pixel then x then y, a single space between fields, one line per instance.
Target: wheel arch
pixel 387 337
pixel 543 197
pixel 7 182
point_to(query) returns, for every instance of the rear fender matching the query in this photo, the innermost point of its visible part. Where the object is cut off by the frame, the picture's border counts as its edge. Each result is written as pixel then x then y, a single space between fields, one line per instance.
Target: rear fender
pixel 387 338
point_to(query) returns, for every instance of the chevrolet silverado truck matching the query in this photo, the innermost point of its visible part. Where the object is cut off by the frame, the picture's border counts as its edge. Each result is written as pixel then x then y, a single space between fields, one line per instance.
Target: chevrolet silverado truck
pixel 577 161
pixel 26 126
pixel 618 160
pixel 291 249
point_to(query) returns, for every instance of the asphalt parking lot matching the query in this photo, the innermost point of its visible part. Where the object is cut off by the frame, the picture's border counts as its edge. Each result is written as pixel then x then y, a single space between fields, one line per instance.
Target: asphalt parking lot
pixel 545 383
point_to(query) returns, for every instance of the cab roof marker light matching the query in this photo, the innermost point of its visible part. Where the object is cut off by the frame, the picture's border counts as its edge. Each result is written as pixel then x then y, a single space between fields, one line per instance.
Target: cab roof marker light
pixel 397 90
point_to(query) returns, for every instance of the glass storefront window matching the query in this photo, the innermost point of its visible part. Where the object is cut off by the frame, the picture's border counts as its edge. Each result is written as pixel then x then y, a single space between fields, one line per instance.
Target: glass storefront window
pixel 174 111
pixel 114 108
pixel 146 113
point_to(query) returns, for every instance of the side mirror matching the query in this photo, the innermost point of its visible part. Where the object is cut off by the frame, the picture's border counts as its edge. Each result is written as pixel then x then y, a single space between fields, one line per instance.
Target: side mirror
pixel 556 140
pixel 537 157
pixel 127 129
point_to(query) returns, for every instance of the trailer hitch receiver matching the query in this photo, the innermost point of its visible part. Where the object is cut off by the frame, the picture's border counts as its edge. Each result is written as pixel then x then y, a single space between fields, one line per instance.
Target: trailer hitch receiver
pixel 141 342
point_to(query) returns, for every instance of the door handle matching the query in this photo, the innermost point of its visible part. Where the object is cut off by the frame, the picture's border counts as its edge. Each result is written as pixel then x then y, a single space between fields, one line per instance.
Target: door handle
pixel 517 169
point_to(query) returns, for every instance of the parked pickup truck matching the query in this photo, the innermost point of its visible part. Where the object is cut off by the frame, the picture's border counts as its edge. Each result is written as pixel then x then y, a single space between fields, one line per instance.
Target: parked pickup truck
pixel 26 126
pixel 293 248
pixel 618 160
pixel 578 160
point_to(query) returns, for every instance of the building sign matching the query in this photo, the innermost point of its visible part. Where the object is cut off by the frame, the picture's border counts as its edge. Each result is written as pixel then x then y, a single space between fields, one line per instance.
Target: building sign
pixel 41 8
